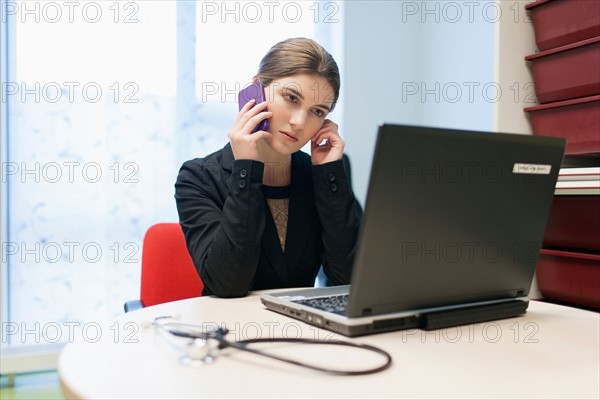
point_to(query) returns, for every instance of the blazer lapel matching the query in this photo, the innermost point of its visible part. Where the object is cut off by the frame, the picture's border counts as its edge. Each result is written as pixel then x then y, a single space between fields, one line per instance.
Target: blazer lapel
pixel 227 165
pixel 302 211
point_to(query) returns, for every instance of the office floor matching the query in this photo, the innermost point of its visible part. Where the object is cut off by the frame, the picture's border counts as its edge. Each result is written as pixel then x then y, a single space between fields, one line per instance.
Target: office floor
pixel 31 386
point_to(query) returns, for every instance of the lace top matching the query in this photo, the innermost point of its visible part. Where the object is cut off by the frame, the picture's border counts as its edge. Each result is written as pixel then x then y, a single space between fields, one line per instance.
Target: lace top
pixel 278 199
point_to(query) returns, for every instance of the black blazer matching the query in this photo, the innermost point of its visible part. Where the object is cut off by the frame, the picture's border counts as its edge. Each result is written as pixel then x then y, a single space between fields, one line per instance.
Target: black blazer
pixel 232 237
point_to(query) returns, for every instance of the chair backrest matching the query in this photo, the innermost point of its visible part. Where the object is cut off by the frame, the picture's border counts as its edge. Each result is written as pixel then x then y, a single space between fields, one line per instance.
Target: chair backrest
pixel 168 272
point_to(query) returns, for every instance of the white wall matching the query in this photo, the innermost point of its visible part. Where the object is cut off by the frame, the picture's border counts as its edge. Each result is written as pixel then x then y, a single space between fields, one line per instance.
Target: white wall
pixel 514 40
pixel 422 63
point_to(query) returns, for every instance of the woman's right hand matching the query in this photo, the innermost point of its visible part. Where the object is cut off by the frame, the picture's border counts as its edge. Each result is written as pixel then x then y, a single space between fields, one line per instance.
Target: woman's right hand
pixel 244 143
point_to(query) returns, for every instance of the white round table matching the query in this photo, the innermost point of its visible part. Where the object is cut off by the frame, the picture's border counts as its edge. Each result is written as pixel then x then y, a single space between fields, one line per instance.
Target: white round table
pixel 550 352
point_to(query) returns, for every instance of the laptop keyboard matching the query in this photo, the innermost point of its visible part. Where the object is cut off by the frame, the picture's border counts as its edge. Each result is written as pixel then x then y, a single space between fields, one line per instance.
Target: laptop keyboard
pixel 334 304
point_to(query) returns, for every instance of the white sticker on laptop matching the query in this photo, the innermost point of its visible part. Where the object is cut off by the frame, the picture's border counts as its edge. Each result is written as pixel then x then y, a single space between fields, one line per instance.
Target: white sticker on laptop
pixel 533 169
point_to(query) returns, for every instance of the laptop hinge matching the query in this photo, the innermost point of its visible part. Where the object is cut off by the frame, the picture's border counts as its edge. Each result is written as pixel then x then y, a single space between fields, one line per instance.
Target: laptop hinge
pixel 471 315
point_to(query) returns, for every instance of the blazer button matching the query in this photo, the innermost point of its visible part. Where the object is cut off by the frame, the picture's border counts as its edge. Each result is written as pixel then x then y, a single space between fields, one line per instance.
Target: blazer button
pixel 333 187
pixel 243 173
pixel 242 184
pixel 331 177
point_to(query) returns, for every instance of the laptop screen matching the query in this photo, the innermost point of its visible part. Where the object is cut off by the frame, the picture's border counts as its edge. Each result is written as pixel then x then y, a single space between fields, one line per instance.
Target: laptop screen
pixel 452 216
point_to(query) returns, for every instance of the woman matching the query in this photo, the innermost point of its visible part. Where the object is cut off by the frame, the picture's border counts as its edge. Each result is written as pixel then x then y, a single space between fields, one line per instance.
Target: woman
pixel 260 213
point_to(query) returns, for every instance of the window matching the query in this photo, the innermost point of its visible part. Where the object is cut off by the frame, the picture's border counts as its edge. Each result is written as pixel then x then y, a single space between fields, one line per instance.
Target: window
pixel 104 101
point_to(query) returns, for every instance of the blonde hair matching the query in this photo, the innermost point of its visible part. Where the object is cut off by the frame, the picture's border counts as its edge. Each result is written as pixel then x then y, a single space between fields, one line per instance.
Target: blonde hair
pixel 299 56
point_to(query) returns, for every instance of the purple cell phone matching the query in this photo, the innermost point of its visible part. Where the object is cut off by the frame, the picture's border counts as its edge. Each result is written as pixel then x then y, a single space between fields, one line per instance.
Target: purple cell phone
pixel 254 91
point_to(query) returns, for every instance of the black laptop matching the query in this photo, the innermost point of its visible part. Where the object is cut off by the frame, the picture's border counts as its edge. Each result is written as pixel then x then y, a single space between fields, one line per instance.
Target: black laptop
pixel 452 228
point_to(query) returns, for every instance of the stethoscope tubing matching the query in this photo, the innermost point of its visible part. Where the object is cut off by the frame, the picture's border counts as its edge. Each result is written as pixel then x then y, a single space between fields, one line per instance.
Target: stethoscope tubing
pixel 242 345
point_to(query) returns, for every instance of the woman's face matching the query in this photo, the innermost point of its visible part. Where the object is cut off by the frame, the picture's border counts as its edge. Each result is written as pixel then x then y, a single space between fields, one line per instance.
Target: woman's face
pixel 300 104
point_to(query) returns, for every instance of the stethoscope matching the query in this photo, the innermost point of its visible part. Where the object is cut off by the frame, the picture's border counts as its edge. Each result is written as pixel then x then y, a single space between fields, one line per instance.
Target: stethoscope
pixel 203 347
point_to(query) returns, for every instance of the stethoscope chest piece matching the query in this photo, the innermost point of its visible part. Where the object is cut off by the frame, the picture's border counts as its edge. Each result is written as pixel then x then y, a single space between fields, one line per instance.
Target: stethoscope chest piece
pixel 200 352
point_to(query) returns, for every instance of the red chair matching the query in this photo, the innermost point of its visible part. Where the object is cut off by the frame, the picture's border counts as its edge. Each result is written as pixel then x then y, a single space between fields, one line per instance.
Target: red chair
pixel 168 273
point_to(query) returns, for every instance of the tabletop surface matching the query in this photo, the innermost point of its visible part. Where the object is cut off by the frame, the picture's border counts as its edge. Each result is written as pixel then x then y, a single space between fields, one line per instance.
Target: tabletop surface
pixel 550 352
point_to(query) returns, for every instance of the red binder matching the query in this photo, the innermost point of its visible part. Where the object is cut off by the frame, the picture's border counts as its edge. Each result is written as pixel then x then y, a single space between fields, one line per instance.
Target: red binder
pixel 576 120
pixel 560 22
pixel 574 223
pixel 570 277
pixel 567 72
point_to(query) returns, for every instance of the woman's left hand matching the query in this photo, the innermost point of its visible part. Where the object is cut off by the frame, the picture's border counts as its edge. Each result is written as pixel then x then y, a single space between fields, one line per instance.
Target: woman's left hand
pixel 332 149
